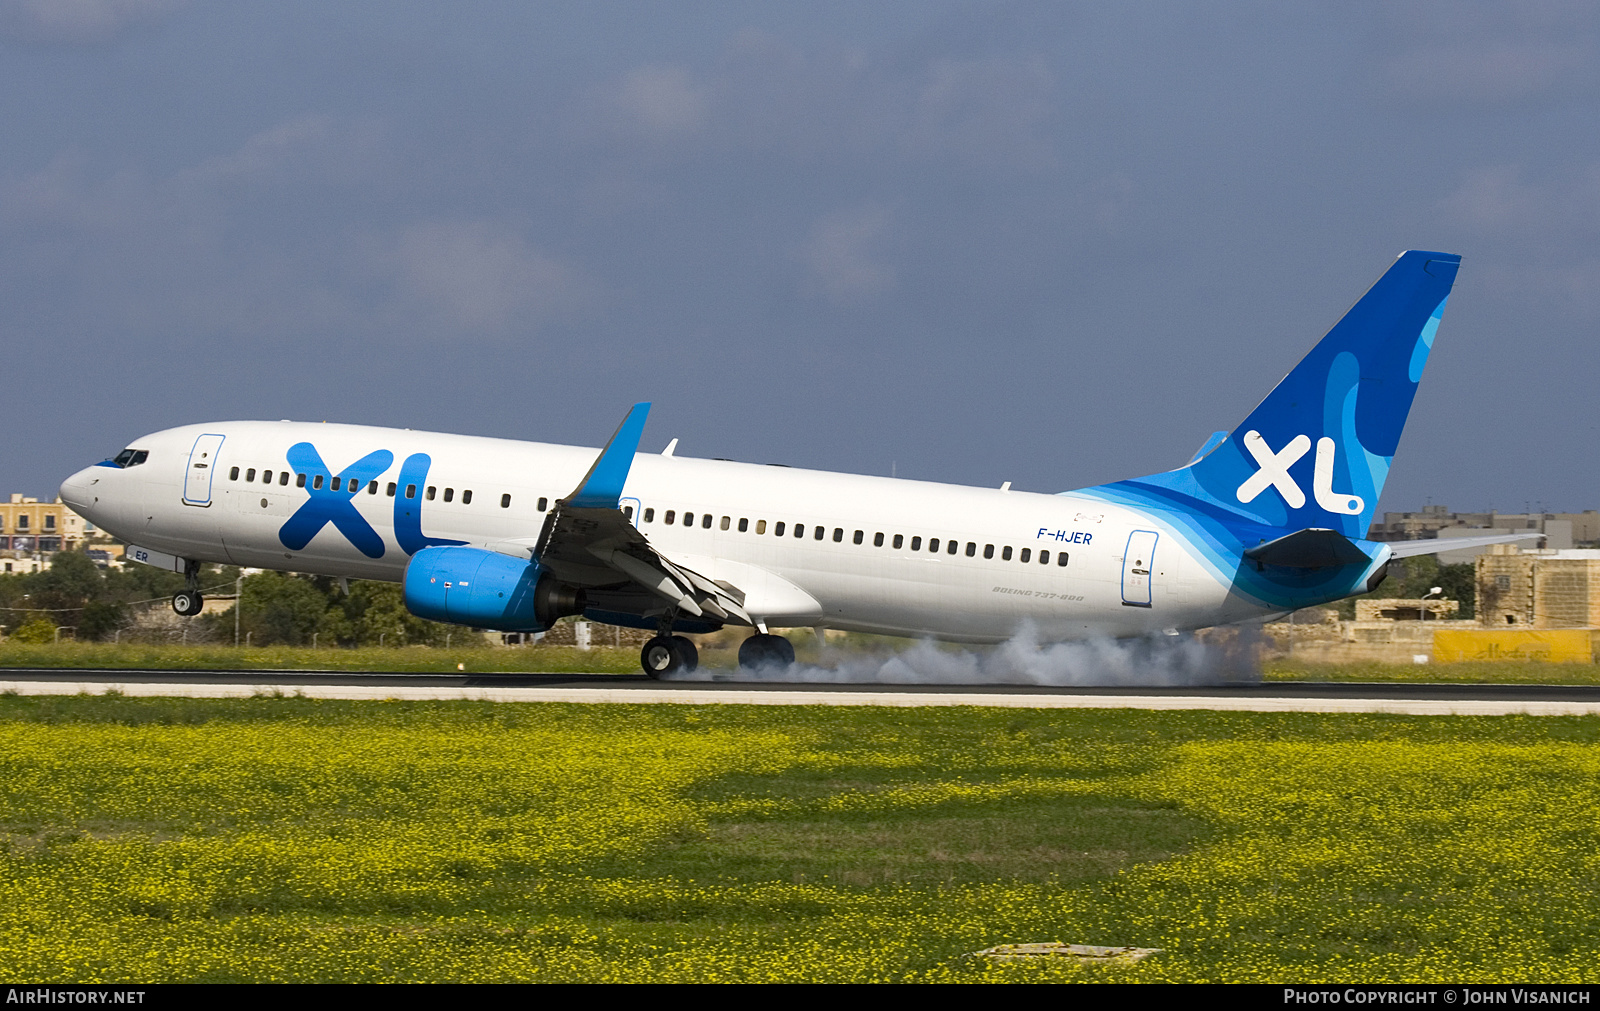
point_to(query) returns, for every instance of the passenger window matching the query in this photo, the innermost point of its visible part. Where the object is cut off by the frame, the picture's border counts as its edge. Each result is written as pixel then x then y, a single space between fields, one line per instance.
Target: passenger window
pixel 650 515
pixel 1025 555
pixel 449 494
pixel 372 489
pixel 429 493
pixel 688 519
pixel 1061 558
pixel 544 504
pixel 951 546
pixel 411 491
pixel 799 529
pixel 390 490
pixel 299 480
pixel 316 482
pixel 838 535
pixel 726 522
pixel 933 545
pixel 283 478
pixel 744 525
pixel 988 550
pixel 233 475
pixel 777 529
pixel 822 532
pixel 505 500
pixel 877 540
pixel 972 549
pixel 667 519
pixel 1044 558
pixel 466 497
pixel 858 537
pixel 761 526
pixel 336 483
pixel 705 522
pixel 626 510
pixel 899 540
pixel 266 477
pixel 1005 553
pixel 250 475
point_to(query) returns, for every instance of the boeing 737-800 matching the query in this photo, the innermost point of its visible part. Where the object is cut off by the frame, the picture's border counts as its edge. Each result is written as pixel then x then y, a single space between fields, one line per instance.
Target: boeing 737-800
pixel 507 535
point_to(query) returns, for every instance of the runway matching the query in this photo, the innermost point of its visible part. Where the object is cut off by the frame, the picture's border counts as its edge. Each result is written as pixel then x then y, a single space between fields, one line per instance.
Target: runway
pixel 1272 696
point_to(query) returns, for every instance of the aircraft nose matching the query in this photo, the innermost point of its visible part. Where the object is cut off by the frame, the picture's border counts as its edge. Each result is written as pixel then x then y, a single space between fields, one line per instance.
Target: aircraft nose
pixel 77 491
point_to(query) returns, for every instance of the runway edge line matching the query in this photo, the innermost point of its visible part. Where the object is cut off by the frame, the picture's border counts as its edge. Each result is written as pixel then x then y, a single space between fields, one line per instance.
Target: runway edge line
pixel 690 696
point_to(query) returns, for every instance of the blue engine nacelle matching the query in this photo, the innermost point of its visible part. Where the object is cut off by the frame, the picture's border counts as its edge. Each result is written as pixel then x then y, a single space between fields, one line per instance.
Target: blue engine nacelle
pixel 485 589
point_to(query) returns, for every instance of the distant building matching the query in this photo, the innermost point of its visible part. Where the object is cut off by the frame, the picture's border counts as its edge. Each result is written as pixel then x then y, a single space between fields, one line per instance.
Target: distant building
pixel 1538 589
pixel 1560 530
pixel 1406 609
pixel 31 531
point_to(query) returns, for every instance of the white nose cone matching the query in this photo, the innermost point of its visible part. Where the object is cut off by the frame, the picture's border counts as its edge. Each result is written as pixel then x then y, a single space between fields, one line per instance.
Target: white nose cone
pixel 75 491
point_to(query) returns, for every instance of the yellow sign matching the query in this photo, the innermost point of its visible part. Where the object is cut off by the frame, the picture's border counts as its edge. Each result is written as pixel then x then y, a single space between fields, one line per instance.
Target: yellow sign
pixel 1571 645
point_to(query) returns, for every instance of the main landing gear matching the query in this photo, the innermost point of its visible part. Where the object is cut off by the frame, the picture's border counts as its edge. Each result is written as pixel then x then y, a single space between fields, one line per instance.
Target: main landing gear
pixel 766 650
pixel 188 602
pixel 665 654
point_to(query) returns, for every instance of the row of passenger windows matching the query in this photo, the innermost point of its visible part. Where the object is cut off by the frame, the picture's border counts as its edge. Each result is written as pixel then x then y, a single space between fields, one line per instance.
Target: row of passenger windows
pixel 818 532
pixel 934 545
pixel 281 477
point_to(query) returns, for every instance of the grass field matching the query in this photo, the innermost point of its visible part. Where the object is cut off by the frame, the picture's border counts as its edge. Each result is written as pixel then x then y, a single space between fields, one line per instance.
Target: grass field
pixel 299 839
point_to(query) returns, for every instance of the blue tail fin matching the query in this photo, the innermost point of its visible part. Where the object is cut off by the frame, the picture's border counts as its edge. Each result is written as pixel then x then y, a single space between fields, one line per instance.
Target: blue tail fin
pixel 1316 451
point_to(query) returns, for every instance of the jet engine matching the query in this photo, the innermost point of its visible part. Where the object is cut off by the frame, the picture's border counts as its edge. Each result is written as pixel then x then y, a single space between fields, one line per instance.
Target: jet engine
pixel 485 589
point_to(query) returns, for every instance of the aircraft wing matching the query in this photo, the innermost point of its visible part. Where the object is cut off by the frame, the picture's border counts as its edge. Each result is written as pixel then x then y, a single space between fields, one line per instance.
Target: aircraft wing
pixel 1408 549
pixel 589 542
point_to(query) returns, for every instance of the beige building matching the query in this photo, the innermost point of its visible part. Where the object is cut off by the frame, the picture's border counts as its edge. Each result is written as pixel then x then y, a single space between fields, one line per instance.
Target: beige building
pixel 1538 589
pixel 30 528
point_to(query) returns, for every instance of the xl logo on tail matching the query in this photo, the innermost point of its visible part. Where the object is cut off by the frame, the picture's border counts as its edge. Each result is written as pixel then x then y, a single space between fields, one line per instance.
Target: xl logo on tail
pixel 1274 473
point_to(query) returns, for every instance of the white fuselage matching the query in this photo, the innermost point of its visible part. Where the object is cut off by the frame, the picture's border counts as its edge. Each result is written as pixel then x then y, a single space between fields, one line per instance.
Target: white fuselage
pixel 891 581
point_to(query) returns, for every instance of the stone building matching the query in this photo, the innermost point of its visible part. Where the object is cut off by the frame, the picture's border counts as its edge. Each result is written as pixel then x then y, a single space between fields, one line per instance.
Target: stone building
pixel 1538 589
pixel 31 530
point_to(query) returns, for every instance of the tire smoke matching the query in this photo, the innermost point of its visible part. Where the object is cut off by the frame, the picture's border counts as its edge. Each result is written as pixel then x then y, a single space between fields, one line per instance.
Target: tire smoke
pixel 1155 661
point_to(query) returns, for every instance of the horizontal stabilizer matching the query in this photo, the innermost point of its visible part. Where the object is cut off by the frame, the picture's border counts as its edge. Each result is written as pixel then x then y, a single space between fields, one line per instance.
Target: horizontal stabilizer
pixel 1410 549
pixel 1314 548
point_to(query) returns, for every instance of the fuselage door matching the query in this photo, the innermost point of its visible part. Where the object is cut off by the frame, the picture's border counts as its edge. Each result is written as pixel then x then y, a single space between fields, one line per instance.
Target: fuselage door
pixel 202 465
pixel 630 506
pixel 1137 564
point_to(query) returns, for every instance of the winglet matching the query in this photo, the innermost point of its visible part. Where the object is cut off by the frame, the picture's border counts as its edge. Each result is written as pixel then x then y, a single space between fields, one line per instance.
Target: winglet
pixel 601 488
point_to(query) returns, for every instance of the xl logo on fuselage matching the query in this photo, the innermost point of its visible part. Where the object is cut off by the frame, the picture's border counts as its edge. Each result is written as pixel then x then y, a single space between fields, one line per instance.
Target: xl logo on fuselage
pixel 332 502
pixel 1274 473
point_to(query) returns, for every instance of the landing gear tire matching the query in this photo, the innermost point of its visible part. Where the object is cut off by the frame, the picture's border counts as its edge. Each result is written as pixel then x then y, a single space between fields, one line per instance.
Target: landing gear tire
pixel 187 603
pixel 664 655
pixel 766 651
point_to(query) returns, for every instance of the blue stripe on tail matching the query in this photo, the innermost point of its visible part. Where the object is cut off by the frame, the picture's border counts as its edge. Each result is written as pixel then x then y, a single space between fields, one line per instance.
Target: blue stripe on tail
pixel 1316 452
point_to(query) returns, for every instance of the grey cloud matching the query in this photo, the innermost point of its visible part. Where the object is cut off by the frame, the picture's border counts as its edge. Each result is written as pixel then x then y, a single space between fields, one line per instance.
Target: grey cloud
pixel 481 275
pixel 765 96
pixel 79 22
pixel 839 254
pixel 1490 53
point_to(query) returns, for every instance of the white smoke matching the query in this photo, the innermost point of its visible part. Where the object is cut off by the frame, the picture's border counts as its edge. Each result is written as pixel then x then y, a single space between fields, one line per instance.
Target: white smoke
pixel 1022 660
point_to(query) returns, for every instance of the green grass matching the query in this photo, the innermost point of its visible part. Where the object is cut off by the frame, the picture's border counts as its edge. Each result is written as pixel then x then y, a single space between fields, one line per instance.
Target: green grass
pixel 413 659
pixel 1472 672
pixel 145 840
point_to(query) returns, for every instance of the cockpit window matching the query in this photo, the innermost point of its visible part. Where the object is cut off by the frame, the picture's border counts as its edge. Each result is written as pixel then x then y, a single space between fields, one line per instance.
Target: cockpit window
pixel 131 457
pixel 122 458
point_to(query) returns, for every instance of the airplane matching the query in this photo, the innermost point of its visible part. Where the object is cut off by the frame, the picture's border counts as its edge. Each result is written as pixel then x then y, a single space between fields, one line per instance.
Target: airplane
pixel 513 536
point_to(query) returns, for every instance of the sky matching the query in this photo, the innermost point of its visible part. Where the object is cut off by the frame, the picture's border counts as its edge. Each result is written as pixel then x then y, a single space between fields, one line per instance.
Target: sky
pixel 1052 243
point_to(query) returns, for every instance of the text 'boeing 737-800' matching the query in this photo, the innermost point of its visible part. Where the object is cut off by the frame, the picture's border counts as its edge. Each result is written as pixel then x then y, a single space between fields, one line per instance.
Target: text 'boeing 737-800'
pixel 507 535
